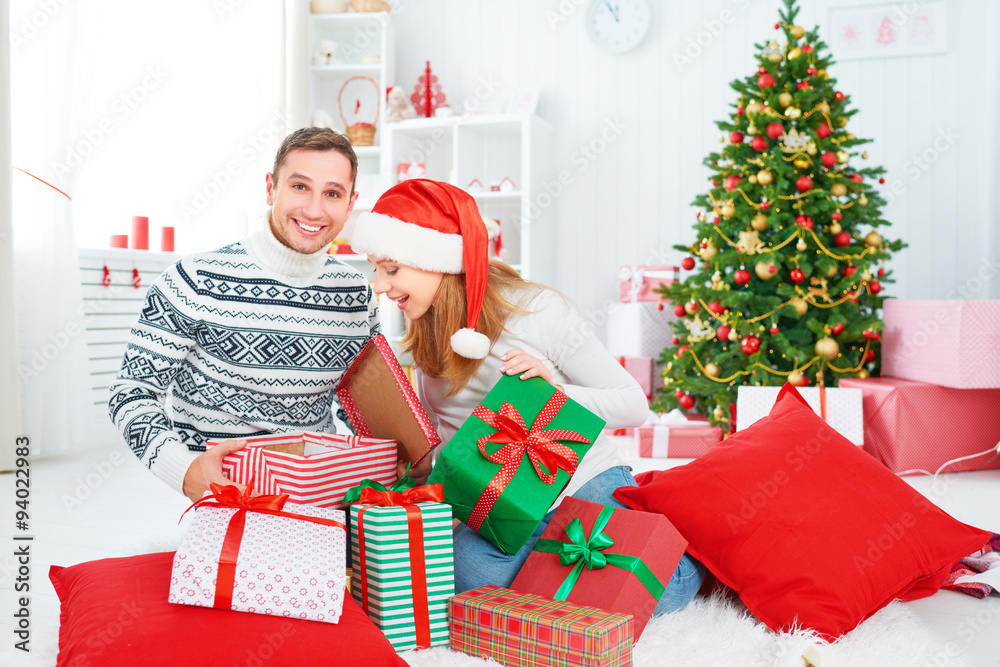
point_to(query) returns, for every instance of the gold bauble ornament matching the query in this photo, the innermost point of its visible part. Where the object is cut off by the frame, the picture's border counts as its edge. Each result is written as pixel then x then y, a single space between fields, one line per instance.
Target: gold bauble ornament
pixel 823 107
pixel 801 163
pixel 764 270
pixel 843 157
pixel 874 239
pixel 691 307
pixel 716 278
pixel 794 53
pixel 733 335
pixel 728 210
pixel 752 179
pixel 835 228
pixel 752 129
pixel 666 382
pixel 765 177
pixel 793 112
pixel 801 245
pixel 811 148
pixel 709 251
pixel 798 32
pixel 827 347
pixel 866 275
pixel 799 305
pixel 832 271
pixel 722 140
pixel 797 379
pixel 863 200
pixel 754 107
pixel 774 57
pixel 838 189
pixel 785 99
pixel 719 413
pixel 864 156
pixel 712 369
pixel 759 221
pixel 863 374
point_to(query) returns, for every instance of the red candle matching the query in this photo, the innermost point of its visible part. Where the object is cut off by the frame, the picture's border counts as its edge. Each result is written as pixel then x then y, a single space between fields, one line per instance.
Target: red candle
pixel 140 232
pixel 119 240
pixel 167 239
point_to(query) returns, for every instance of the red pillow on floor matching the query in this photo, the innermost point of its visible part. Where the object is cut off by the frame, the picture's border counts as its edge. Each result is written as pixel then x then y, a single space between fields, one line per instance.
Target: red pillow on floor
pixel 115 612
pixel 804 525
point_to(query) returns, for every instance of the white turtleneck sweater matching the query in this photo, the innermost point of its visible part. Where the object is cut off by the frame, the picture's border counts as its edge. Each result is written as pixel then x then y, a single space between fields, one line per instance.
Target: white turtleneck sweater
pixel 245 340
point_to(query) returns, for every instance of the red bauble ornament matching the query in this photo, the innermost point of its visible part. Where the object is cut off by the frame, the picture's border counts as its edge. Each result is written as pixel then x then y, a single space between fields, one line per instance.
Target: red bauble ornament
pixel 675 340
pixel 736 137
pixel 874 287
pixel 874 335
pixel 881 272
pixel 802 85
pixel 716 220
pixel 829 159
pixel 764 205
pixel 722 333
pixel 761 70
pixel 839 96
pixel 870 356
pixel 749 344
pixel 867 333
pixel 774 329
pixel 807 49
pixel 803 184
pixel 837 215
pixel 739 111
pixel 686 401
pixel 742 276
pixel 759 144
pixel 765 80
pixel 775 130
pixel 811 71
pixel 777 26
pixel 850 270
pixel 732 182
pixel 881 180
pixel 687 263
pixel 659 305
pixel 804 221
pixel 842 239
pixel 796 276
pixel 679 310
pixel 716 307
pixel 714 182
pixel 822 130
pixel 857 178
pixel 837 329
pixel 682 349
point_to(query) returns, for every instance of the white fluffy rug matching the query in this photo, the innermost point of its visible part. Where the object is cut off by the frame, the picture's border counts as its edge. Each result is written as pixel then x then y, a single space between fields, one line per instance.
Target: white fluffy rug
pixel 718 631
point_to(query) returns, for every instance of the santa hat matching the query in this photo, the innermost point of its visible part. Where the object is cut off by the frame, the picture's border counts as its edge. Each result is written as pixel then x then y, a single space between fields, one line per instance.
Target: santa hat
pixel 436 227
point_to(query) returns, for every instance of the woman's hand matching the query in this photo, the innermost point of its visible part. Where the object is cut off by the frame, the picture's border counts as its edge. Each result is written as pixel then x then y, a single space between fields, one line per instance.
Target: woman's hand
pixel 518 361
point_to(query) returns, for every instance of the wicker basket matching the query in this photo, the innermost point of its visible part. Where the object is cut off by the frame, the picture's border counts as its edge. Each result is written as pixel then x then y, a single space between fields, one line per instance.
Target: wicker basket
pixel 371 6
pixel 360 133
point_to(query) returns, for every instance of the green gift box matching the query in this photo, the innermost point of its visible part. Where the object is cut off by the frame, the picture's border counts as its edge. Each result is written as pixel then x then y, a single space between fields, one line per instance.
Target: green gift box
pixel 512 457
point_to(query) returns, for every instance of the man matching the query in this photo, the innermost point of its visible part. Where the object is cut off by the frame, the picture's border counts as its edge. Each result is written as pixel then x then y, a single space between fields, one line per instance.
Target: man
pixel 254 337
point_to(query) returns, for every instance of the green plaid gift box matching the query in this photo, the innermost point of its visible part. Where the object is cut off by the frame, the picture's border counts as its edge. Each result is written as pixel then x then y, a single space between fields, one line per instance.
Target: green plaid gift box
pixel 384 585
pixel 521 629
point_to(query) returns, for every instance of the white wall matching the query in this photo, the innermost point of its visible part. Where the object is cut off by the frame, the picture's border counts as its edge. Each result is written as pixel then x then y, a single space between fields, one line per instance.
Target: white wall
pixel 632 203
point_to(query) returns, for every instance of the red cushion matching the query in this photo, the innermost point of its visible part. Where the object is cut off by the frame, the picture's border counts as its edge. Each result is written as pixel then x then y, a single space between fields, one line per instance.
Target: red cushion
pixel 804 525
pixel 115 612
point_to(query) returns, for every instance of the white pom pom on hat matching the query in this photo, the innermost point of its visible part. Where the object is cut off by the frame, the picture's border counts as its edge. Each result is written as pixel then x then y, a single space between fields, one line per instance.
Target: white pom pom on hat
pixel 437 227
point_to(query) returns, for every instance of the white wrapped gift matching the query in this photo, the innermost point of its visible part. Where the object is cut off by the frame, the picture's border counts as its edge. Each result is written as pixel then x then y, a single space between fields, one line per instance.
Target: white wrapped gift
pixel 843 408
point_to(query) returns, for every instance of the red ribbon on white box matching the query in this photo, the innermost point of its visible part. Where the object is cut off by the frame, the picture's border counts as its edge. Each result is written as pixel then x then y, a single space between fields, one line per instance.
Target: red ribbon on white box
pixel 661 425
pixel 637 277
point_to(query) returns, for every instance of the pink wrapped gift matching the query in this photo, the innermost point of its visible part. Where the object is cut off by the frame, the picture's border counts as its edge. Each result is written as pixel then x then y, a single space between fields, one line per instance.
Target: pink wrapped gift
pixel 263 556
pixel 641 368
pixel 639 329
pixel 674 435
pixel 912 426
pixel 950 343
pixel 311 468
pixel 841 408
pixel 636 283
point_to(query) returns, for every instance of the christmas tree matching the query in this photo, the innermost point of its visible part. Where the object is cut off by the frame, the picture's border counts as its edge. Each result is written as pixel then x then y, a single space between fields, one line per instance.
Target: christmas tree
pixel 791 268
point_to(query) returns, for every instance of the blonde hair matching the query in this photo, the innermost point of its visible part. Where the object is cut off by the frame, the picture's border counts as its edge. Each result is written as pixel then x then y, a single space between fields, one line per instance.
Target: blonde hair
pixel 428 339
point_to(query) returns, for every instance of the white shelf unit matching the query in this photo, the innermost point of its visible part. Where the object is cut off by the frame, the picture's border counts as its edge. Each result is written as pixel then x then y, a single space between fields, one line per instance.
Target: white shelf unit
pixel 490 148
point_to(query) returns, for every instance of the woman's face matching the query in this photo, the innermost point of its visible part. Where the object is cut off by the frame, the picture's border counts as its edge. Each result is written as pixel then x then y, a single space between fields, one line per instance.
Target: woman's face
pixel 412 289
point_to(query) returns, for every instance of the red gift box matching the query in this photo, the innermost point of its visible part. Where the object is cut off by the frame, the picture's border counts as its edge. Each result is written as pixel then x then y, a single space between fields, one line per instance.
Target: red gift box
pixel 636 283
pixel 641 549
pixel 912 426
pixel 950 343
pixel 525 630
pixel 380 402
pixel 311 468
pixel 641 368
pixel 674 436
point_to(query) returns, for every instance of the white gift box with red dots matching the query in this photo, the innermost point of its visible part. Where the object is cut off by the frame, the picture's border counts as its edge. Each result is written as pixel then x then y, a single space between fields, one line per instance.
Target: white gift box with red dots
pixel 285 567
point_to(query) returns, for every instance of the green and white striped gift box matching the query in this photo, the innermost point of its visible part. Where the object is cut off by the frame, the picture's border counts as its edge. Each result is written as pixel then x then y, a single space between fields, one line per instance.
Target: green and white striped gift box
pixel 388 570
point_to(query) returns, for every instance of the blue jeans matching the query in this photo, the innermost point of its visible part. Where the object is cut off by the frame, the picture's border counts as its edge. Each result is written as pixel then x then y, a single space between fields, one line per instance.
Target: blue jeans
pixel 478 562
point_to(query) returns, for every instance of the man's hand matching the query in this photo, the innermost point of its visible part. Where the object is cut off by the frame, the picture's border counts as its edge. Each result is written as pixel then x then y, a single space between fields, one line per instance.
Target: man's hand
pixel 418 472
pixel 207 468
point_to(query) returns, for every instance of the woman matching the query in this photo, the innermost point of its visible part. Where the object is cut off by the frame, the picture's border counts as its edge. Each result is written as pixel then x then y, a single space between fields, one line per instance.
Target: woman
pixel 471 319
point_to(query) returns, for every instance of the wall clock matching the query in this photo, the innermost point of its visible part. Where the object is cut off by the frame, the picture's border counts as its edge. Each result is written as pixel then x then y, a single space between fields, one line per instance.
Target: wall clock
pixel 618 25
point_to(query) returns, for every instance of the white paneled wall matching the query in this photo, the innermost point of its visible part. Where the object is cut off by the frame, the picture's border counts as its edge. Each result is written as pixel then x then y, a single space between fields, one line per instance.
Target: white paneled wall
pixel 631 203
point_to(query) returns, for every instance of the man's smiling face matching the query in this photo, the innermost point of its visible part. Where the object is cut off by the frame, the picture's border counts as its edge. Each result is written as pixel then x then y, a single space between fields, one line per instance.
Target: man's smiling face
pixel 311 199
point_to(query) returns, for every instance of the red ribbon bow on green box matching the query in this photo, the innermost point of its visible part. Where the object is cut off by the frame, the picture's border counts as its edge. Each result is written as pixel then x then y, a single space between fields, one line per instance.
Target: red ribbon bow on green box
pixel 230 496
pixel 401 494
pixel 589 553
pixel 538 443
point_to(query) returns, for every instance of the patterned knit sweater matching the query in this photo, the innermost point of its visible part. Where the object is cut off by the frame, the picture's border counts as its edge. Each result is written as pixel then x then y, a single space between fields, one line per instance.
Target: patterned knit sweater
pixel 249 339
